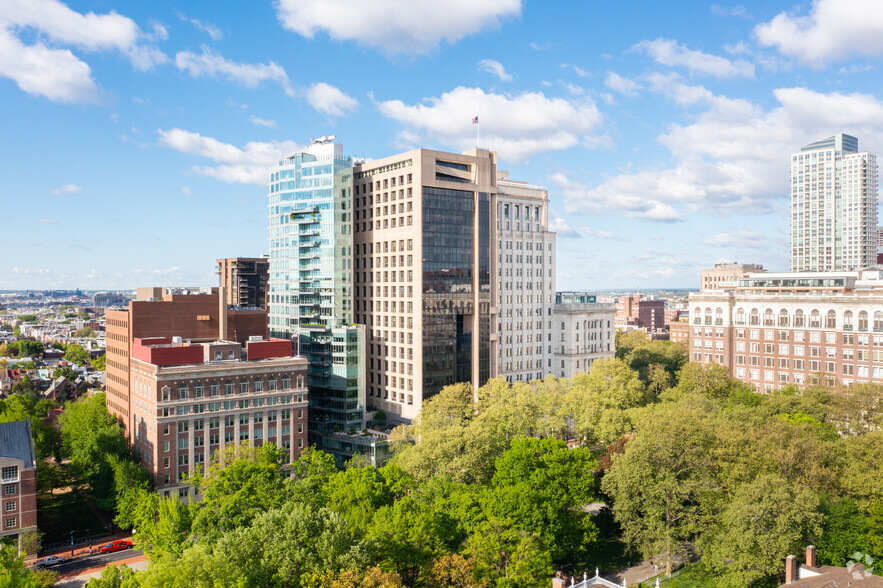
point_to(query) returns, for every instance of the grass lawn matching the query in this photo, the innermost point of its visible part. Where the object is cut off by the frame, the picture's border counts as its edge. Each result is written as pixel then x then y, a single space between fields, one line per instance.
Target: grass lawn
pixel 63 512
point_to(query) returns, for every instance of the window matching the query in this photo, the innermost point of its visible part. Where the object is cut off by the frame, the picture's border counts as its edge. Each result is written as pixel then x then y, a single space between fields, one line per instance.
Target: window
pixel 10 522
pixel 271 383
pixel 243 386
pixel 228 387
pixel 9 473
pixel 258 385
pixel 10 505
pixel 10 490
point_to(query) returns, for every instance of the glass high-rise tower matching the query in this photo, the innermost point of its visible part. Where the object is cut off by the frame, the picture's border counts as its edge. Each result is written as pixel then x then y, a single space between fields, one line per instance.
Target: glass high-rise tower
pixel 833 206
pixel 311 256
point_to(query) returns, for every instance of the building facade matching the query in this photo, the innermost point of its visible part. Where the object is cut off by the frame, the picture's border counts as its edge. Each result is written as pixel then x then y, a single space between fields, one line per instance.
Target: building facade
pixel 584 332
pixel 18 480
pixel 725 275
pixel 525 277
pixel 311 282
pixel 833 206
pixel 424 242
pixel 191 399
pixel 245 280
pixel 780 329
pixel 640 311
pixel 197 314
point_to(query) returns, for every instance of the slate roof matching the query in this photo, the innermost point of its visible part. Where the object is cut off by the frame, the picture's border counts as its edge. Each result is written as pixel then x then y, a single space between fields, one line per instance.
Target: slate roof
pixel 17 442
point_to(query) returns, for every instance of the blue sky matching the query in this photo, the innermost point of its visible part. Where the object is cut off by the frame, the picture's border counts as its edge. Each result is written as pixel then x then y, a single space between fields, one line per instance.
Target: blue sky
pixel 136 135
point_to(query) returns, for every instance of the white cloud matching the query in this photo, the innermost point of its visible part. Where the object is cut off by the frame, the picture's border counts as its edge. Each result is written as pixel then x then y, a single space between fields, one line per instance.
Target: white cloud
pixel 557 224
pixel 186 190
pixel 579 71
pixel 730 160
pixel 206 27
pixel 622 85
pixel 833 30
pixel 517 127
pixel 56 74
pixel 262 122
pixel 250 75
pixel 93 32
pixel 330 100
pixel 247 165
pixel 496 68
pixel 854 69
pixel 67 189
pixel 392 26
pixel 48 221
pixel 745 239
pixel 730 11
pixel 670 53
pixel 614 196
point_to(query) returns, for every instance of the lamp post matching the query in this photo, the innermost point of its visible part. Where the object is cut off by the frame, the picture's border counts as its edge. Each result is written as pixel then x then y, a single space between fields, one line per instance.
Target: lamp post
pixel 72 543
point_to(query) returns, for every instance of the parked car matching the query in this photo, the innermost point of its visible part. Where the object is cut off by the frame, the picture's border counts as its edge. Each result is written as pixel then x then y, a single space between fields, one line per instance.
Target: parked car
pixel 50 561
pixel 118 545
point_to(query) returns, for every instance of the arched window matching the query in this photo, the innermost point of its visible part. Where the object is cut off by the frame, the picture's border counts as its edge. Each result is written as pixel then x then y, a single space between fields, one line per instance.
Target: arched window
pixel 243 386
pixel 707 316
pixel 815 320
pixel 878 321
pixel 214 389
pixel 271 383
pixel 697 316
pixel 166 393
pixel 755 317
pixel 740 316
pixel 199 390
pixel 847 320
pixel 228 387
pixel 719 316
pixel 182 391
pixel 258 385
pixel 863 321
pixel 784 319
pixel 798 318
pixel 286 382
pixel 300 381
pixel 831 320
pixel 768 318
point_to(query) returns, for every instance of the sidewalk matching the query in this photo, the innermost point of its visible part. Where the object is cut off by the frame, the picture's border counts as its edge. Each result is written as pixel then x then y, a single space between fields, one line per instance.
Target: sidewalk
pixel 81 550
pixel 82 577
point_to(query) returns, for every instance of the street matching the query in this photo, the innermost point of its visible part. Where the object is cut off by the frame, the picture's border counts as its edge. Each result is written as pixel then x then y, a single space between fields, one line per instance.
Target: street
pixel 73 567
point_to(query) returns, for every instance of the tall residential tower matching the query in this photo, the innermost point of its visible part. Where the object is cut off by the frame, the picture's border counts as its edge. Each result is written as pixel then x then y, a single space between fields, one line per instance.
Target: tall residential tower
pixel 833 206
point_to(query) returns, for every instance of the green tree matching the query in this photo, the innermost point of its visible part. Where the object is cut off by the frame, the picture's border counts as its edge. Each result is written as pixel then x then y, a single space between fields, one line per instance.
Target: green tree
pixel 67 372
pixel 598 401
pixel 663 487
pixel 76 354
pixel 765 521
pixel 100 363
pixel 13 572
pixel 509 557
pixel 113 576
pixel 85 332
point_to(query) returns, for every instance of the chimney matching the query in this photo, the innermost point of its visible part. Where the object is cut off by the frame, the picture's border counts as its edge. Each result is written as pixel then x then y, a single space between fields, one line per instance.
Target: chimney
pixel 222 313
pixel 811 556
pixel 558 583
pixel 790 569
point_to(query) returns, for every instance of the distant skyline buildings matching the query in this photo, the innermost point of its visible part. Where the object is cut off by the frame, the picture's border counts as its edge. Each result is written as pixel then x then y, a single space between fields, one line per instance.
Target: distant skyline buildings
pixel 833 206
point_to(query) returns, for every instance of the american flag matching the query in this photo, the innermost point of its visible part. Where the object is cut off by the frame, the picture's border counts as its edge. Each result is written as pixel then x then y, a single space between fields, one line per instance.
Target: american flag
pixel 475 120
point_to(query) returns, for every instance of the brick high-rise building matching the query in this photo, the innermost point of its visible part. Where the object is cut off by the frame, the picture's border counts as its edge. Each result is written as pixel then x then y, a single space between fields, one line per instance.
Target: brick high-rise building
pixel 189 400
pixel 833 206
pixel 244 280
pixel 778 329
pixel 642 312
pixel 193 314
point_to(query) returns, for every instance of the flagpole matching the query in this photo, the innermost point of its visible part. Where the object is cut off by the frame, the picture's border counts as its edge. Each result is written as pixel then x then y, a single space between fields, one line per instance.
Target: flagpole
pixel 478 135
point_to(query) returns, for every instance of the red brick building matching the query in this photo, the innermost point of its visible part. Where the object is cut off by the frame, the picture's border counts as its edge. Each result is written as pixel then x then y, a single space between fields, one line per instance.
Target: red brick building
pixel 646 313
pixel 18 480
pixel 195 315
pixel 190 399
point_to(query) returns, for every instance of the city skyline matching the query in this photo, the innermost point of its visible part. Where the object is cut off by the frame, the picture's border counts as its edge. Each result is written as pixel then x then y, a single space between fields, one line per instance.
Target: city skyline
pixel 142 135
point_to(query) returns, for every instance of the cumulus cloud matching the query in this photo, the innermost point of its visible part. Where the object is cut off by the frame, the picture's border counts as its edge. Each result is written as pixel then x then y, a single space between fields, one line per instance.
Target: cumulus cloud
pixel 394 27
pixel 832 30
pixel 330 100
pixel 730 159
pixel 247 165
pixel 670 53
pixel 212 65
pixel 206 27
pixel 67 189
pixel 743 239
pixel 517 127
pixel 262 122
pixel 558 224
pixel 496 68
pixel 622 85
pixel 612 197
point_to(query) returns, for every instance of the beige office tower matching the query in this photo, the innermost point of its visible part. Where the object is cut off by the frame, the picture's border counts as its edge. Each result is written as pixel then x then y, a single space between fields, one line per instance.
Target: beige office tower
pixel 425 252
pixel 833 206
pixel 525 280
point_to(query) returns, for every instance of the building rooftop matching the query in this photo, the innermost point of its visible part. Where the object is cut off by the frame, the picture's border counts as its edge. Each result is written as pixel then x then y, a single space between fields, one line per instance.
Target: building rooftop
pixel 17 442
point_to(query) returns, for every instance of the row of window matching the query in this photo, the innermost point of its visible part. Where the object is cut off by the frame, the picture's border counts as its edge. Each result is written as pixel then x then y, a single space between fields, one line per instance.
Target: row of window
pixel 230 387
pixel 785 319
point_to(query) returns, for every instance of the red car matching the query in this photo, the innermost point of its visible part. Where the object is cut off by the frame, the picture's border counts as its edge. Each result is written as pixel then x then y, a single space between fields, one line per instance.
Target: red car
pixel 115 546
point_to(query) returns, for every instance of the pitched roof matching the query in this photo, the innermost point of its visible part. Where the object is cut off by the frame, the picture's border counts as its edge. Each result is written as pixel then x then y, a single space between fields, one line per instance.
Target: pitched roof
pixel 17 442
